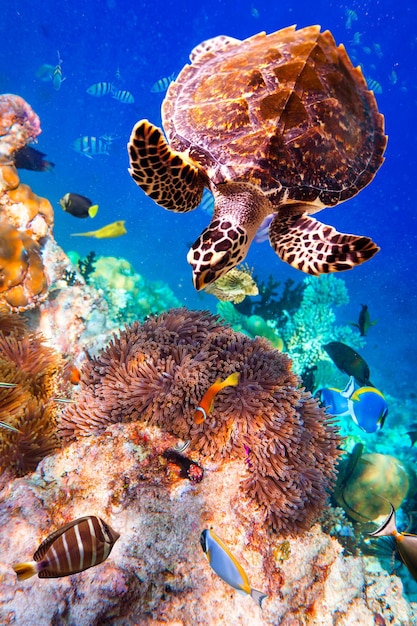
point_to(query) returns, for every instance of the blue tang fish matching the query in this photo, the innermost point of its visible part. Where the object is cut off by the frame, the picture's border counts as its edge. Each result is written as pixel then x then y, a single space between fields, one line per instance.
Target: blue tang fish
pixel 226 566
pixel 366 405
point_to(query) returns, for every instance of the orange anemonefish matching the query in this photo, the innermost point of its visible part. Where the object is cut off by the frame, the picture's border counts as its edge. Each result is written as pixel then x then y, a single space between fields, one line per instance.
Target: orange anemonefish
pixel 207 401
pixel 75 547
pixel 226 566
pixel 75 375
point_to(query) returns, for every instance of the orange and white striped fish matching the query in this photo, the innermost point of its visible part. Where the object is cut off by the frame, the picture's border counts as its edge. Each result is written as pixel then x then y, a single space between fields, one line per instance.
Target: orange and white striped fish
pixel 207 401
pixel 75 547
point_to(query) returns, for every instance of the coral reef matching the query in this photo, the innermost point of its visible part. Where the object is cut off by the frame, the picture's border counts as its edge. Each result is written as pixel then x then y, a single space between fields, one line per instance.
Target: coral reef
pixel 158 372
pixel 26 219
pixel 157 573
pixel 252 325
pixel 39 374
pixel 314 325
pixel 128 294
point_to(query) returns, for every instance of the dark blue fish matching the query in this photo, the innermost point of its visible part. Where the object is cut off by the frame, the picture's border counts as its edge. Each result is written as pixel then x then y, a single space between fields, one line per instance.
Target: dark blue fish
pixel 28 158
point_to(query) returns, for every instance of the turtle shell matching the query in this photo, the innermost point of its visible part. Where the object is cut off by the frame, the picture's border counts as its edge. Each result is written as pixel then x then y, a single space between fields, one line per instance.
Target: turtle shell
pixel 287 112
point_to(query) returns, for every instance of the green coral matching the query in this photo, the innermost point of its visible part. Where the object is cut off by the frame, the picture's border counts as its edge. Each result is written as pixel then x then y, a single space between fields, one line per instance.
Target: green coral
pixel 314 325
pixel 252 325
pixel 128 294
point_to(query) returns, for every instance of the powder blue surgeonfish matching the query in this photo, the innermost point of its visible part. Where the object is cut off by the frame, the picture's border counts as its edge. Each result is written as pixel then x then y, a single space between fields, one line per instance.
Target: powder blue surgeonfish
pixel 226 566
pixel 366 405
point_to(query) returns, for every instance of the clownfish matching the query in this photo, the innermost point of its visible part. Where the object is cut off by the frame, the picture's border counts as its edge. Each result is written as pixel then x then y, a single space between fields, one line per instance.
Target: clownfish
pixel 225 565
pixel 207 401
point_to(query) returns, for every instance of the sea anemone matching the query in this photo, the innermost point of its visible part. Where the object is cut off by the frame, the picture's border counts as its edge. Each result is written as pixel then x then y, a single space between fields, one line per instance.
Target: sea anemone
pixel 157 372
pixel 39 374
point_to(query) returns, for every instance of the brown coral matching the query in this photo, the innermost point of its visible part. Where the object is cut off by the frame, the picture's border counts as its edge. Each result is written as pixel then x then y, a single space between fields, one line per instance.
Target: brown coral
pixel 38 373
pixel 158 372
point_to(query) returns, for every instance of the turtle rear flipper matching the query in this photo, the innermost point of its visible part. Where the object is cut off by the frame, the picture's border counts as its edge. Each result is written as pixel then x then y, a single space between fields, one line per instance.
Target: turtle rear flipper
pixel 163 174
pixel 316 248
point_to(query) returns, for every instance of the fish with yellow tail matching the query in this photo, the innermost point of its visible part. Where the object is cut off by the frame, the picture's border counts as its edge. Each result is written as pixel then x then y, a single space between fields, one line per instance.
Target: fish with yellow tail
pixel 75 547
pixel 207 402
pixel 115 229
pixel 227 567
pixel 406 542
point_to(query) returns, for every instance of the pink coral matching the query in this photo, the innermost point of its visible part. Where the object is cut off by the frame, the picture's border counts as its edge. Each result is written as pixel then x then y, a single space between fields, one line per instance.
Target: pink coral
pixel 19 125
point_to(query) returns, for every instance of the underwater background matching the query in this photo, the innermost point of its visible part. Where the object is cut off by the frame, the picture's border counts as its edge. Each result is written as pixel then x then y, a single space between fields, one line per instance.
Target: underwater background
pixel 147 41
pixel 139 46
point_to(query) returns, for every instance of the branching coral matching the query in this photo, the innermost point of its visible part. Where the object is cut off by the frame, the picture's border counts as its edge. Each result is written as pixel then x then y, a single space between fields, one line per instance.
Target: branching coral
pixel 314 323
pixel 157 373
pixel 26 219
pixel 39 374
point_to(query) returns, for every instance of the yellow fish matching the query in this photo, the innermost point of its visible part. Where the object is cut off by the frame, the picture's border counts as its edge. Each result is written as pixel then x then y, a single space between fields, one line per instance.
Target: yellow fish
pixel 207 402
pixel 115 229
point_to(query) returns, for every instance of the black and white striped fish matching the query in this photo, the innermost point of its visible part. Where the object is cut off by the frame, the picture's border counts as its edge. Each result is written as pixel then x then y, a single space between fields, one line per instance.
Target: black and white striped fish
pixel 98 90
pixel 75 547
pixel 91 146
pixel 163 83
pixel 123 96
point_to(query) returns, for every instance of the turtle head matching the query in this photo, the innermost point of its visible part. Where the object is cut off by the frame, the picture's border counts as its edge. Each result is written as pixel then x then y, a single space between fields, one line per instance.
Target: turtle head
pixel 219 248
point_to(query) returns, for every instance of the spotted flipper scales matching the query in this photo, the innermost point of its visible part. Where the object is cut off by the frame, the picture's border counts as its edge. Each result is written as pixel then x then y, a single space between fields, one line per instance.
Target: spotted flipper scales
pixel 316 248
pixel 166 176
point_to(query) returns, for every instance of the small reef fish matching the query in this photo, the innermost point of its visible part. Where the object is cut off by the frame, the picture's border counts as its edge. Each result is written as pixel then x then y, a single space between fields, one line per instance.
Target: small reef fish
pixel 78 206
pixel 28 158
pixel 57 77
pixel 115 229
pixel 393 78
pixel 75 547
pixel 262 234
pixel 226 566
pixel 207 402
pixel 348 361
pixel 356 39
pixel 351 17
pixel 9 427
pixel 234 286
pixel 98 90
pixel 8 385
pixel 207 202
pixel 123 96
pixel 364 321
pixel 366 405
pixel 163 83
pixel 92 146
pixel 406 542
pixel 373 85
pixel 75 375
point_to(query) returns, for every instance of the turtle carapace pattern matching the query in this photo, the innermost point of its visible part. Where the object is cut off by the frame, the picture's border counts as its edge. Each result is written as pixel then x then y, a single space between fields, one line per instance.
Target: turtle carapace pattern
pixel 279 124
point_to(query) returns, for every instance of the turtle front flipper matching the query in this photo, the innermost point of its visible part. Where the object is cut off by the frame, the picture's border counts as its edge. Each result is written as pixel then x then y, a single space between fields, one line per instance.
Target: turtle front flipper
pixel 166 176
pixel 316 248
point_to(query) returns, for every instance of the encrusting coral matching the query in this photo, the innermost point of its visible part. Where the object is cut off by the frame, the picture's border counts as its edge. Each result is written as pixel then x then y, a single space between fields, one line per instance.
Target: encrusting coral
pixel 156 373
pixel 26 219
pixel 39 374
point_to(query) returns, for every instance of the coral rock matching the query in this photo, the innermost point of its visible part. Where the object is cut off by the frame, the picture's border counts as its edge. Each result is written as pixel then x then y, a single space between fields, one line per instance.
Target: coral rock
pixel 157 572
pixel 19 125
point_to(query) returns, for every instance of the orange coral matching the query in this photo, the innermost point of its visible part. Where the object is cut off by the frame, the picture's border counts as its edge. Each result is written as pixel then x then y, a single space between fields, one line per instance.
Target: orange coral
pixel 26 219
pixel 23 283
pixel 157 373
pixel 39 374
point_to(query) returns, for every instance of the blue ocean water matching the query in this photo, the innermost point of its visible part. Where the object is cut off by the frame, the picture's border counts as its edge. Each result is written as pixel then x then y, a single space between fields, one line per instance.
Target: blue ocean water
pixel 146 41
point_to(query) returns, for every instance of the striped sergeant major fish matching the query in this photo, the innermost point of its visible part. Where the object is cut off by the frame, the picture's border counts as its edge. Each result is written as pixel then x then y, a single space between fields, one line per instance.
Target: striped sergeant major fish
pixel 163 83
pixel 98 90
pixel 75 547
pixel 92 146
pixel 123 96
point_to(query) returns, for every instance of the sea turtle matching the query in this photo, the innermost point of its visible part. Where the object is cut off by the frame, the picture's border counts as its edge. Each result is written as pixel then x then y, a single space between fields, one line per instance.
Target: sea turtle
pixel 277 124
